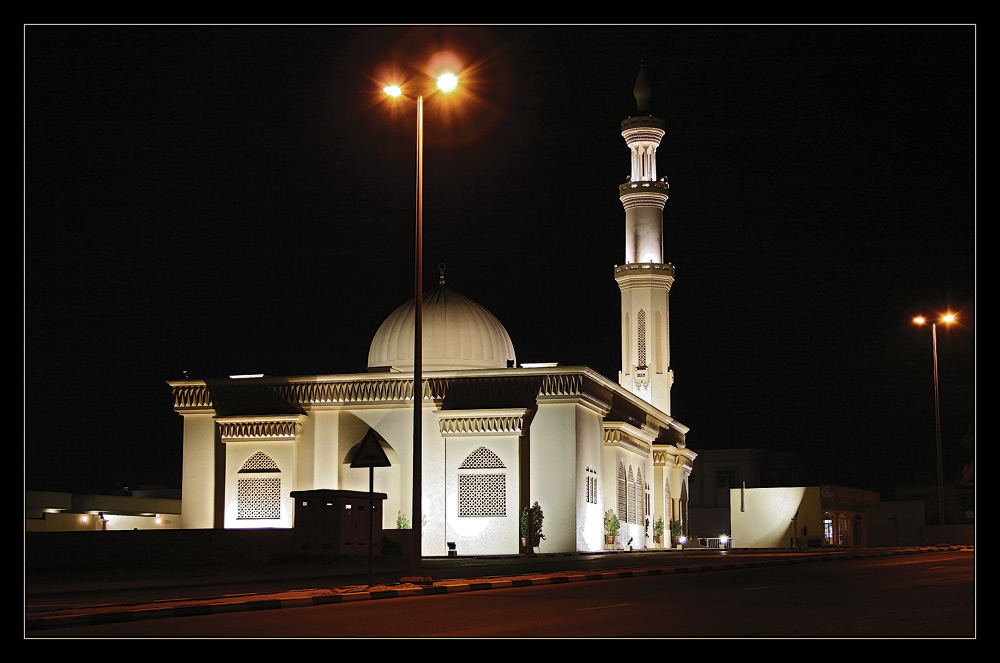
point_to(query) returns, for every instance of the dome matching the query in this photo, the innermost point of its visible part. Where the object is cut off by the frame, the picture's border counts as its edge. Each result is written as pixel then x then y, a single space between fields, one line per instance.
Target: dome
pixel 458 334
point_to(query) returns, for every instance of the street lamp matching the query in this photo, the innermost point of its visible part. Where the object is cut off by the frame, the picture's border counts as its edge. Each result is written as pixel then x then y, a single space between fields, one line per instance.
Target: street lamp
pixel 946 319
pixel 446 83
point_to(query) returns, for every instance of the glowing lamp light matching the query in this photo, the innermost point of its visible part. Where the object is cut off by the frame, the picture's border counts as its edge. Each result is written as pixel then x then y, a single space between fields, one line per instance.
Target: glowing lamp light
pixel 723 539
pixel 393 90
pixel 447 82
pixel 83 519
pixel 946 318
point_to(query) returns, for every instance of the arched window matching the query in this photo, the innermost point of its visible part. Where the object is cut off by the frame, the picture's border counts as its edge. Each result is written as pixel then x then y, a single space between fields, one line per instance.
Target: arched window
pixel 591 478
pixel 482 485
pixel 642 338
pixel 630 495
pixel 668 504
pixel 640 499
pixel 259 497
pixel 622 500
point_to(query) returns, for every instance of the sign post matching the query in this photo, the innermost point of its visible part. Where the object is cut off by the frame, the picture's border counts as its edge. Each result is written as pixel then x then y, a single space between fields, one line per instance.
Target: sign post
pixel 370 454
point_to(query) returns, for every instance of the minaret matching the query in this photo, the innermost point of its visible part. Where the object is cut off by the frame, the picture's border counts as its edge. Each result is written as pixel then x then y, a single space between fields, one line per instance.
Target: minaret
pixel 645 279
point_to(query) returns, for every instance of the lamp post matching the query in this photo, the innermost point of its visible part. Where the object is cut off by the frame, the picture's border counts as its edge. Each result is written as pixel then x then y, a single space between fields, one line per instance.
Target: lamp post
pixel 948 318
pixel 446 83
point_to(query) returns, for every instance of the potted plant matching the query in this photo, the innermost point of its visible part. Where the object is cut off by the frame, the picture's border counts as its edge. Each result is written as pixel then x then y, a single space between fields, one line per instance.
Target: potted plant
pixel 611 526
pixel 401 521
pixel 531 526
pixel 658 530
pixel 676 531
pixel 537 517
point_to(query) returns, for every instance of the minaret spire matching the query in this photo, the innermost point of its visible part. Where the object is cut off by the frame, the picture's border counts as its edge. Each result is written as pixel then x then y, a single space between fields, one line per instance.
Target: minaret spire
pixel 644 279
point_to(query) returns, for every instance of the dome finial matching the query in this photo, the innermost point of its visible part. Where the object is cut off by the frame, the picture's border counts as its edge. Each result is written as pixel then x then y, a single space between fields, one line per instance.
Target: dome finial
pixel 441 268
pixel 642 90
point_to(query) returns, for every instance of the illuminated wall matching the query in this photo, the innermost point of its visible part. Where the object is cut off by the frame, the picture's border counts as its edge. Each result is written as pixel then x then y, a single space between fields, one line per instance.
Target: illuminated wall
pixel 768 517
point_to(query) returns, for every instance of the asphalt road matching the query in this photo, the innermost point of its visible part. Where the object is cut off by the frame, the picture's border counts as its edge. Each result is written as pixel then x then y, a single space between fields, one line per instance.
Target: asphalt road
pixel 853 594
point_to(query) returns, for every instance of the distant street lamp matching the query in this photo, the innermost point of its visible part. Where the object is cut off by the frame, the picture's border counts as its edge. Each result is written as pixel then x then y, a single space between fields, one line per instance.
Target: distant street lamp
pixel 446 83
pixel 946 319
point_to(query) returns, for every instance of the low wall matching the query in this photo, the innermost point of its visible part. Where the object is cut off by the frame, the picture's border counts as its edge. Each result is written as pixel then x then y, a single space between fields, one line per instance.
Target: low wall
pixel 50 551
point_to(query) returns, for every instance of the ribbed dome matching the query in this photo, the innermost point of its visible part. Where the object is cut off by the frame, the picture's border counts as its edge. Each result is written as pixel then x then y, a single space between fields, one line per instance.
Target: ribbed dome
pixel 458 334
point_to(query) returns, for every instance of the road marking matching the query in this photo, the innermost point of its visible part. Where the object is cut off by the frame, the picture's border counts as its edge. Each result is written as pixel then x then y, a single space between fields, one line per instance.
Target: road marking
pixel 602 607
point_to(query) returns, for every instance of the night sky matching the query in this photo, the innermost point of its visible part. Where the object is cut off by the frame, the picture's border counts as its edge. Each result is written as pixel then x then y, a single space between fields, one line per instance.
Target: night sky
pixel 221 200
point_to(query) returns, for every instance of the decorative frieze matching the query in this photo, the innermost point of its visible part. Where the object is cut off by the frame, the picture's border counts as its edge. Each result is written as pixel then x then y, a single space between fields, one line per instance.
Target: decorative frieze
pixel 672 456
pixel 268 429
pixel 456 423
pixel 627 436
pixel 522 389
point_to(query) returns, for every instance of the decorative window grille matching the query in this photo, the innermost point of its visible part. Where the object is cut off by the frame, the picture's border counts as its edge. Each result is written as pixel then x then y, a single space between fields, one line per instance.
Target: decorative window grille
pixel 258 498
pixel 649 501
pixel 640 500
pixel 481 458
pixel 642 339
pixel 591 477
pixel 630 496
pixel 668 504
pixel 260 462
pixel 482 493
pixel 622 500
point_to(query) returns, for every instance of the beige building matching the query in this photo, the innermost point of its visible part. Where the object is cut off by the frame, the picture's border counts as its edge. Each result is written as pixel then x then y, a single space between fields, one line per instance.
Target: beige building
pixel 495 437
pixel 800 516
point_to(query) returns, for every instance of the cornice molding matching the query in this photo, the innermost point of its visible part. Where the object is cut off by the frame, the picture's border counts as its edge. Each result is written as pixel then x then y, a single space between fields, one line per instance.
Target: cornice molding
pixel 644 275
pixel 458 423
pixel 518 386
pixel 627 436
pixel 277 428
pixel 671 456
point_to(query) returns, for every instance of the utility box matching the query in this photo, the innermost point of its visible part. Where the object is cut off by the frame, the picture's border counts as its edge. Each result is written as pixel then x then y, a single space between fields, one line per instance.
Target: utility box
pixel 332 522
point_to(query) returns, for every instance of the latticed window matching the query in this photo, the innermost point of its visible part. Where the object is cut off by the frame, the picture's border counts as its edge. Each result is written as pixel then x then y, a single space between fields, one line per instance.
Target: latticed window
pixel 259 498
pixel 591 477
pixel 639 498
pixel 642 338
pixel 482 490
pixel 649 501
pixel 630 495
pixel 259 462
pixel 622 500
pixel 668 505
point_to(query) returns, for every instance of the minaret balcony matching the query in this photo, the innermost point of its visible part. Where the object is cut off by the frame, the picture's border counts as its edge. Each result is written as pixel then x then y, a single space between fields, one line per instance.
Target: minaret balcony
pixel 644 275
pixel 644 194
pixel 644 122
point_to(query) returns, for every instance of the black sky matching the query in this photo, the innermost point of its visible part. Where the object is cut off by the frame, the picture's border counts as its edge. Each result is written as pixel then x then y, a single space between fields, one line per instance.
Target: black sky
pixel 218 200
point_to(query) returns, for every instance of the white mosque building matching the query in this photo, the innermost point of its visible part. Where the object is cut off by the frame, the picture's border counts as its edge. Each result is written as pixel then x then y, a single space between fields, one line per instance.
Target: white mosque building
pixel 495 437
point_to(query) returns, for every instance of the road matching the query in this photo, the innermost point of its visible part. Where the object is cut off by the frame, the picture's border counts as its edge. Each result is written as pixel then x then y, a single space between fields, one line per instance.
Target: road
pixel 923 595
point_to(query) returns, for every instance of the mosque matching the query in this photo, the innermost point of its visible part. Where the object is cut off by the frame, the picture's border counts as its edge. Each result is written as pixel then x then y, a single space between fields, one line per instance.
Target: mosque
pixel 496 437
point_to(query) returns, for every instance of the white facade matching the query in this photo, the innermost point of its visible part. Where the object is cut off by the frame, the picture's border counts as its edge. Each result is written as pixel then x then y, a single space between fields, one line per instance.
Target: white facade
pixel 566 437
pixel 495 438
